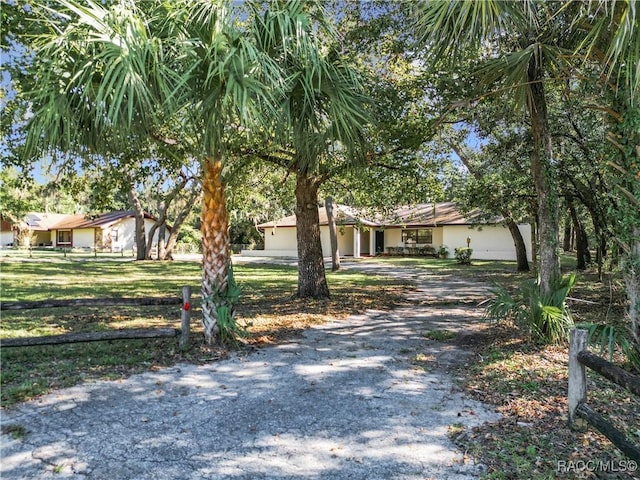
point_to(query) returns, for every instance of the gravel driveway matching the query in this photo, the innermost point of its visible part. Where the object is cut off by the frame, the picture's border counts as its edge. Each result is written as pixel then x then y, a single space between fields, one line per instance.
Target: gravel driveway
pixel 347 400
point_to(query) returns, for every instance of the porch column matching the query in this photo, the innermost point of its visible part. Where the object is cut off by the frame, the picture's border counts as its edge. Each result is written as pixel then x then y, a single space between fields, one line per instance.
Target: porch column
pixel 356 242
pixel 372 242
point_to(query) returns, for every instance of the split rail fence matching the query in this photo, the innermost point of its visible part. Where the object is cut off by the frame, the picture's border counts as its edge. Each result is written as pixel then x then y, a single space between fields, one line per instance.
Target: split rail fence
pixel 579 359
pixel 128 333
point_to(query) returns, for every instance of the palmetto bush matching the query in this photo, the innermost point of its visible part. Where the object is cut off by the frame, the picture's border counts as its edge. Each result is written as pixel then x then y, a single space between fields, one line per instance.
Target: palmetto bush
pixel 612 338
pixel 546 316
pixel 230 332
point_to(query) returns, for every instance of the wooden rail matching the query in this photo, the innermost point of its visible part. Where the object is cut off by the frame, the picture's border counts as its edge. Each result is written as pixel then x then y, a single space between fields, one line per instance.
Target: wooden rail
pixel 89 302
pixel 123 334
pixel 128 333
pixel 579 410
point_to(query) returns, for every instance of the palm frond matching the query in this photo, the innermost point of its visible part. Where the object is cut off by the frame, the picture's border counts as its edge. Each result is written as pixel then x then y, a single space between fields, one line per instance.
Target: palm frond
pixel 612 37
pixel 446 28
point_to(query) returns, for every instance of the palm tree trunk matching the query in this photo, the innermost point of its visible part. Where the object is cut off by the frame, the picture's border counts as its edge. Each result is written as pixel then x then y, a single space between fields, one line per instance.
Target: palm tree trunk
pixel 215 246
pixel 543 178
pixel 312 282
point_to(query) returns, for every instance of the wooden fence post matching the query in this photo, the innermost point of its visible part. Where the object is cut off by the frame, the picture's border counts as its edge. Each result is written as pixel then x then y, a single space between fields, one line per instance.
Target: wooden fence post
pixel 186 317
pixel 577 377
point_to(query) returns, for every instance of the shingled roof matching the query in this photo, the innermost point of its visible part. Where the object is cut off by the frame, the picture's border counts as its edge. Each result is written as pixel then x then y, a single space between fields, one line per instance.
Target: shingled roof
pixel 57 221
pixel 343 215
pixel 419 215
pixel 434 215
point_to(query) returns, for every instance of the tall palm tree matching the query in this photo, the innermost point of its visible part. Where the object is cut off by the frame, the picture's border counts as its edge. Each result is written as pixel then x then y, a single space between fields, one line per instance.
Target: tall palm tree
pixel 611 41
pixel 524 40
pixel 173 72
pixel 528 40
pixel 324 111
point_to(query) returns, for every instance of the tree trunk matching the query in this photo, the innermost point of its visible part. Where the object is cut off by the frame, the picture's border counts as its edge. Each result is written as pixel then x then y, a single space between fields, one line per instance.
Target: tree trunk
pixel 582 242
pixel 535 238
pixel 566 243
pixel 626 138
pixel 215 248
pixel 160 222
pixel 632 282
pixel 138 212
pixel 333 234
pixel 312 282
pixel 162 218
pixel 543 178
pixel 521 248
pixel 162 251
pixel 179 221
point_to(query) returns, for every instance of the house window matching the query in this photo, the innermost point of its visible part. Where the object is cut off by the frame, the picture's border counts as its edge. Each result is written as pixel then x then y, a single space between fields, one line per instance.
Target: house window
pixel 421 236
pixel 114 235
pixel 64 237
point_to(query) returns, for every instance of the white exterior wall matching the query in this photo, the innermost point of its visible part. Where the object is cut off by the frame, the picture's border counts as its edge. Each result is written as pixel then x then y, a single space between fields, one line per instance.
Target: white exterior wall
pixel 283 242
pixel 365 241
pixel 437 237
pixel 83 238
pixel 493 242
pixel 6 238
pixel 325 241
pixel 345 240
pixel 279 242
pixel 127 233
pixel 392 238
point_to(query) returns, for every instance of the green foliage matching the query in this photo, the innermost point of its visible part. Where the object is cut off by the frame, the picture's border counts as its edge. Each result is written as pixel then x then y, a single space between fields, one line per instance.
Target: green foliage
pixel 189 239
pixel 463 255
pixel 547 317
pixel 18 194
pixel 439 335
pixel 443 251
pixel 230 333
pixel 609 338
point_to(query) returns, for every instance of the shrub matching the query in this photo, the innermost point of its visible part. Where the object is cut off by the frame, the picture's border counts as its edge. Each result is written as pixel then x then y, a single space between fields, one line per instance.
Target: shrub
pixel 443 251
pixel 230 333
pixel 546 317
pixel 610 338
pixel 428 251
pixel 463 255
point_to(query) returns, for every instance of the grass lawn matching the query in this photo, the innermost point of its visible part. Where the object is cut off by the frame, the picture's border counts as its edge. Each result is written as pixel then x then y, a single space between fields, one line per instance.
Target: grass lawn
pixel 266 307
pixel 524 381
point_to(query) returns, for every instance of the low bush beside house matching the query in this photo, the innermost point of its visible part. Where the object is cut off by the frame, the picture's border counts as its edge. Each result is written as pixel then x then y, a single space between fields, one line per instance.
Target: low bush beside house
pixel 463 255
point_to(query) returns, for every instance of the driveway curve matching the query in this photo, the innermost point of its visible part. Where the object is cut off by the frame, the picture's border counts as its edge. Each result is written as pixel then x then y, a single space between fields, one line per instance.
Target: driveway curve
pixel 347 400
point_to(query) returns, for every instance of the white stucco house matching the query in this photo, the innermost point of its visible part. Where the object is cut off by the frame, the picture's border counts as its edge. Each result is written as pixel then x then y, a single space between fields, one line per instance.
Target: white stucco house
pixel 422 227
pixel 113 231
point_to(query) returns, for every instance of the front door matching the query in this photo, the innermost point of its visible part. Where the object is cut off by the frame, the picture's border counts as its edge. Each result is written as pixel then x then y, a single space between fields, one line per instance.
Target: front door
pixel 379 242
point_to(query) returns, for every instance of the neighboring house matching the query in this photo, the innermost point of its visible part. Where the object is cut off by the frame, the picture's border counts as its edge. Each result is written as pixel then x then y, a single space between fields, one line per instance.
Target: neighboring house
pixel 114 231
pixel 6 232
pixel 406 229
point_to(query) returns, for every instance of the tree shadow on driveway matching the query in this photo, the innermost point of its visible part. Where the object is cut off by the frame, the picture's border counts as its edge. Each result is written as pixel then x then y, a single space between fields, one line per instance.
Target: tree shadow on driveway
pixel 344 401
